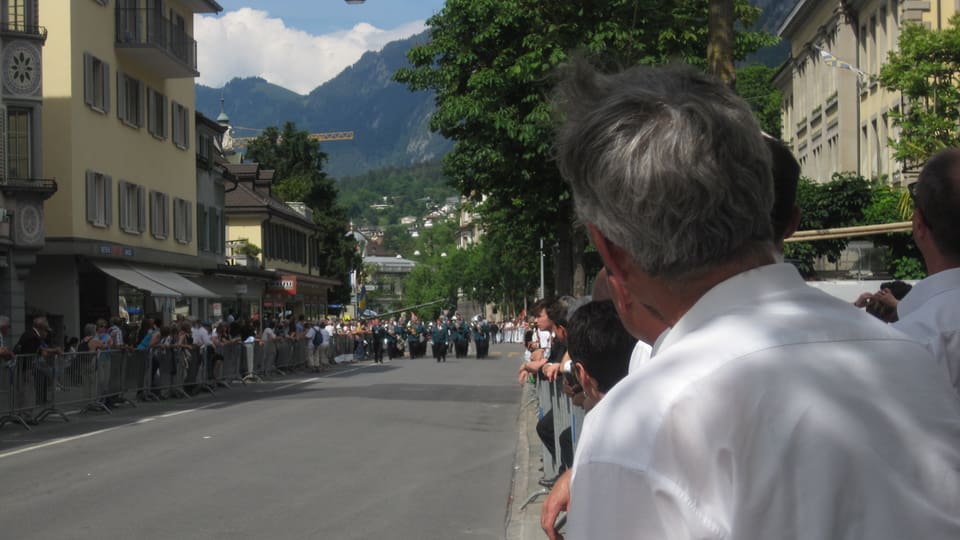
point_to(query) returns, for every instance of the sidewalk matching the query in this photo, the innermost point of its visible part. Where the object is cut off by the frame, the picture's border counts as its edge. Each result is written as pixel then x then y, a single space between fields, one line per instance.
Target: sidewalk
pixel 524 524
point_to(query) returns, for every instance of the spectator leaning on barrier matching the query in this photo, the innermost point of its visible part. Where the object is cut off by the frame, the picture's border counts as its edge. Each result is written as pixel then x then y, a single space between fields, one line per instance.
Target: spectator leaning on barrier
pixel 930 312
pixel 600 349
pixel 768 406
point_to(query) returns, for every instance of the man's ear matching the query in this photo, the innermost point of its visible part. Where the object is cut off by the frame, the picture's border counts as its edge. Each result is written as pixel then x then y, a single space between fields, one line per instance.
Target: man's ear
pixel 615 259
pixel 792 224
pixel 586 381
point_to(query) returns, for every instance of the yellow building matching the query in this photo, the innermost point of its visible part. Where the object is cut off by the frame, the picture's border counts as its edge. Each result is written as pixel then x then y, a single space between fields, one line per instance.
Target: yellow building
pixel 836 117
pixel 288 243
pixel 119 138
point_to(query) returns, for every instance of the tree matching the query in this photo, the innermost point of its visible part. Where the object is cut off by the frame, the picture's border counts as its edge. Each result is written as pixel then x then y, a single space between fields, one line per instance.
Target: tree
pixel 299 176
pixel 490 64
pixel 755 87
pixel 926 71
pixel 838 203
pixel 720 44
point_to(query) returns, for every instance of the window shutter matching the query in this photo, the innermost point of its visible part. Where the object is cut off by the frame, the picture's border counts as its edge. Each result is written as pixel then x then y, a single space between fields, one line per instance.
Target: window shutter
pixel 174 122
pixel 202 236
pixel 186 128
pixel 106 87
pixel 124 211
pixel 166 214
pixel 188 221
pixel 91 197
pixel 141 107
pixel 88 79
pixel 163 117
pixel 141 209
pixel 108 200
pixel 122 96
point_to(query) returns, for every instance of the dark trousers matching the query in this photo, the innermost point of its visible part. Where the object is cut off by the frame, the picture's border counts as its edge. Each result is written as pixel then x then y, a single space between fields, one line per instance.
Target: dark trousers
pixel 546 433
pixel 440 352
pixel 378 350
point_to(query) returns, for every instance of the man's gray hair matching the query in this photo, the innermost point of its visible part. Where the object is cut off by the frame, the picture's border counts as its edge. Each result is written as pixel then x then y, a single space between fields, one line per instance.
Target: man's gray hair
pixel 668 164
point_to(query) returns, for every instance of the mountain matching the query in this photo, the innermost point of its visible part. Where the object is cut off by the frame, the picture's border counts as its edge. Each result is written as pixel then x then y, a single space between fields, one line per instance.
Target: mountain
pixel 390 123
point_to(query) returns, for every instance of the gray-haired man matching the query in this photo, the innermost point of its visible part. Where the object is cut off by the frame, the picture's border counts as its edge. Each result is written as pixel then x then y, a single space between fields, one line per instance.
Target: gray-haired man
pixel 768 409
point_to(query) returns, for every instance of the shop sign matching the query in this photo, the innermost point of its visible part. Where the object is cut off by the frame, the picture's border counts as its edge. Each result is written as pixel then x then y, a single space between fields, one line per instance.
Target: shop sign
pixel 286 285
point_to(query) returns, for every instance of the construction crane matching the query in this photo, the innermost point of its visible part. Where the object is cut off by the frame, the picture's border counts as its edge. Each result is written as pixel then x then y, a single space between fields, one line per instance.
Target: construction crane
pixel 237 142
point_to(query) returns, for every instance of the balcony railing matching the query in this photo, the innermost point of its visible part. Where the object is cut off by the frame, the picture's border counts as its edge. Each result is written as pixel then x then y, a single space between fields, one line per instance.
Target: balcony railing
pixel 20 29
pixel 141 27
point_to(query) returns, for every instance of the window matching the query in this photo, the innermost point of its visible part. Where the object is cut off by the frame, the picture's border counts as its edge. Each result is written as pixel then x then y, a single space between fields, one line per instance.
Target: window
pixel 159 215
pixel 96 83
pixel 156 113
pixel 18 143
pixel 182 221
pixel 205 149
pixel 181 126
pixel 203 240
pixel 215 223
pixel 17 17
pixel 129 100
pixel 133 208
pixel 99 199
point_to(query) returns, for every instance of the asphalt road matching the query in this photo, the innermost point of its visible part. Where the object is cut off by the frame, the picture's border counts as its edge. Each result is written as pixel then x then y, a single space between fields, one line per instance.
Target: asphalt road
pixel 408 449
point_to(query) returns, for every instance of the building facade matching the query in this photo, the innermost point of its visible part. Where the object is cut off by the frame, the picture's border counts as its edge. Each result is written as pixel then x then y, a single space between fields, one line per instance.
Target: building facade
pixel 119 137
pixel 836 117
pixel 286 244
pixel 23 188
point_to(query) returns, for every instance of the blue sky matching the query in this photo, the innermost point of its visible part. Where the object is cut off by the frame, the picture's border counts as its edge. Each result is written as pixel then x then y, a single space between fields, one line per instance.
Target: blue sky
pixel 299 44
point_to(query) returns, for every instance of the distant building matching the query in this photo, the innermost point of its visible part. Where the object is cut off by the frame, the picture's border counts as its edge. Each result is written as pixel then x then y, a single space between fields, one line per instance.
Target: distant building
pixel 833 119
pixel 386 282
pixel 288 241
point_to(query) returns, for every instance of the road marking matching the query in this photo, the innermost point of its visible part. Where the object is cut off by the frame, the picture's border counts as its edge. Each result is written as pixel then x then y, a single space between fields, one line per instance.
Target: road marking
pixel 64 440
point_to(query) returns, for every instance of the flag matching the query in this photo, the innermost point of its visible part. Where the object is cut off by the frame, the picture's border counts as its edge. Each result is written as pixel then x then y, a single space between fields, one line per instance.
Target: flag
pixel 833 61
pixel 362 297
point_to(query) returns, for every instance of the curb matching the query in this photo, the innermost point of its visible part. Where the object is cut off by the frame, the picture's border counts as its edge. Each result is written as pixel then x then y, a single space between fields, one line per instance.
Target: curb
pixel 524 524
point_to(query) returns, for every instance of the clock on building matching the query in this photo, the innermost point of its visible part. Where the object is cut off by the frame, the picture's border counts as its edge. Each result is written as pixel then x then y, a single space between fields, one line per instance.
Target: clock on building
pixel 30 224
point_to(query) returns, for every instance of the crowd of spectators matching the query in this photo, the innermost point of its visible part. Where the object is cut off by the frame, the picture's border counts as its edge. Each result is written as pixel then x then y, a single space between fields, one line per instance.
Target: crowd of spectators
pixel 750 404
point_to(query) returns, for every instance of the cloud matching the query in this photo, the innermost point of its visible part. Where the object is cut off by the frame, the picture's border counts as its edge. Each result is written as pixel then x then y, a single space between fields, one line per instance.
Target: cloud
pixel 248 42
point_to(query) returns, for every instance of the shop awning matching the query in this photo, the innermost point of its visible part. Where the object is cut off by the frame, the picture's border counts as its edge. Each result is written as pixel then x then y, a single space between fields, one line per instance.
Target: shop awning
pixel 128 275
pixel 175 281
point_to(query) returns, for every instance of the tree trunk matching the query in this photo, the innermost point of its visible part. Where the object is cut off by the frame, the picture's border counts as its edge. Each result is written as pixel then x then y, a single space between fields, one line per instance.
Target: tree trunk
pixel 720 41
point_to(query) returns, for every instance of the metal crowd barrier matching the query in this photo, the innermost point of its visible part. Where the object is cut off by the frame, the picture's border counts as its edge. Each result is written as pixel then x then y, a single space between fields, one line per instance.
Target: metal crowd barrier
pixel 35 387
pixel 550 396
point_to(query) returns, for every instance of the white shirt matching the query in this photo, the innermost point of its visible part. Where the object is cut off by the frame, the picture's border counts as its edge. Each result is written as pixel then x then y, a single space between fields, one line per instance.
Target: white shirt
pixel 326 336
pixel 201 336
pixel 312 331
pixel 930 314
pixel 772 410
pixel 641 353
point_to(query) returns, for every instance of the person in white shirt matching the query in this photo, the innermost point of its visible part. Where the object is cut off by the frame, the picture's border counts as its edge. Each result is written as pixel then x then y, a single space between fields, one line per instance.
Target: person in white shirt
pixel 768 409
pixel 930 312
pixel 327 350
pixel 313 359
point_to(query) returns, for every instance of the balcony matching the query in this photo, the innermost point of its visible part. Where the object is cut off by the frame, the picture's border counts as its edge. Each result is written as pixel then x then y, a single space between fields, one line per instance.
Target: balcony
pixel 154 41
pixel 17 29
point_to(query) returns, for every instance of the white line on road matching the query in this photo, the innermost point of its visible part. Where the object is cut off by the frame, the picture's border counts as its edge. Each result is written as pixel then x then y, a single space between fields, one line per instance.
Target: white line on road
pixel 65 440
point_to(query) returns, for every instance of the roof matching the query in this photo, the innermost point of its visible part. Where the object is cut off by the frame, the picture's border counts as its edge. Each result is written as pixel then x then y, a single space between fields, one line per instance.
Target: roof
pixel 244 197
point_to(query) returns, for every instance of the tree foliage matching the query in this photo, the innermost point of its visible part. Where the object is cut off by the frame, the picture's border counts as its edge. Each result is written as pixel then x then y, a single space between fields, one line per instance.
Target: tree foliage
pixel 926 70
pixel 400 191
pixel 838 203
pixel 299 177
pixel 490 64
pixel 755 86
